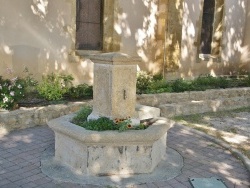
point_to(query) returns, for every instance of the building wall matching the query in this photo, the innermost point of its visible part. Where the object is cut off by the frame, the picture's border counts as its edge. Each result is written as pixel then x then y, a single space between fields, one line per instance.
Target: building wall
pixel 40 35
pixel 232 41
pixel 245 56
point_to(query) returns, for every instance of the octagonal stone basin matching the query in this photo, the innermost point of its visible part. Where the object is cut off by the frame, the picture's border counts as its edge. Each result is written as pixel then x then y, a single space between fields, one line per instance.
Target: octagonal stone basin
pixel 109 152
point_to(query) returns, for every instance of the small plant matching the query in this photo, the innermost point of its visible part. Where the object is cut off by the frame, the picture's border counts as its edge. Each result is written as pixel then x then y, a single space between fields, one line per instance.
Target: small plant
pixel 180 85
pixel 104 123
pixel 11 90
pixel 159 86
pixel 143 81
pixel 82 115
pixel 81 91
pixel 29 82
pixel 54 86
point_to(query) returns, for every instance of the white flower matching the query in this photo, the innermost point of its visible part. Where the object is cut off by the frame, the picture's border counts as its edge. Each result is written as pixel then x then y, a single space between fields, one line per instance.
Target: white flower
pixel 5 99
pixel 19 86
pixel 14 79
pixel 12 93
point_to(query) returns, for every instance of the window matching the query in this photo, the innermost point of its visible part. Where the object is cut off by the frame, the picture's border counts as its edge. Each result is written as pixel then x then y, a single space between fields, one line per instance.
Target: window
pixel 211 29
pixel 207 27
pixel 89 24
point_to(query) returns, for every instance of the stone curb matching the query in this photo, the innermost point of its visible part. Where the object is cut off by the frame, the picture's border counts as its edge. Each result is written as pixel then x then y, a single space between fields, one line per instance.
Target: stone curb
pixel 234 151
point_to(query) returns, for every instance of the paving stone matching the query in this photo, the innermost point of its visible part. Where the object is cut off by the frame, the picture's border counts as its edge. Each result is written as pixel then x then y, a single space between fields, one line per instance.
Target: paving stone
pixel 198 160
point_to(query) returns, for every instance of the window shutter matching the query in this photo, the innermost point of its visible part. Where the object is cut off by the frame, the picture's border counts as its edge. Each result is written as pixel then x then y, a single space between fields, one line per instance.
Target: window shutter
pixel 89 25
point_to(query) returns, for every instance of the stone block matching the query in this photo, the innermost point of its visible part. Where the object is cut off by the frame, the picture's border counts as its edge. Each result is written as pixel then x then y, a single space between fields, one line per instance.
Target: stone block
pixel 168 110
pixel 147 112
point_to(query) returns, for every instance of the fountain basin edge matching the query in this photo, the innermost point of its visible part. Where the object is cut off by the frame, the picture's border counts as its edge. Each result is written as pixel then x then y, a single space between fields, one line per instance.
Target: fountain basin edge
pixel 110 152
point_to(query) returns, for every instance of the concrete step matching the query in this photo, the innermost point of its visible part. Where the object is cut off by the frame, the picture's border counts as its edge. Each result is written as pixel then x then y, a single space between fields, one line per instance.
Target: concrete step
pixel 202 106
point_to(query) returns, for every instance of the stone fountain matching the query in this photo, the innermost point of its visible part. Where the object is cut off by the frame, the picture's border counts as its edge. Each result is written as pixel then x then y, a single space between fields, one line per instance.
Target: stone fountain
pixel 111 153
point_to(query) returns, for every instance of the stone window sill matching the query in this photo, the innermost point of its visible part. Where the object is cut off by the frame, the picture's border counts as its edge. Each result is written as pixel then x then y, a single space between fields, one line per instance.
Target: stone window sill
pixel 209 57
pixel 86 53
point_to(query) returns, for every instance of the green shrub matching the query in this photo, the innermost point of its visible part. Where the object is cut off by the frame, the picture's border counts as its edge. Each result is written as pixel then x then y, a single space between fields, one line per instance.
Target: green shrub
pixel 82 115
pixel 180 85
pixel 54 86
pixel 29 82
pixel 81 91
pixel 11 90
pixel 103 123
pixel 159 86
pixel 143 81
pixel 209 82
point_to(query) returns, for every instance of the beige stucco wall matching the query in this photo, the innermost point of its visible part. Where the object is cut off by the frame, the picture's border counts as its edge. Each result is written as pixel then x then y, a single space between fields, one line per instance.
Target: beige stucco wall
pixel 245 56
pixel 38 36
pixel 41 37
pixel 138 24
pixel 232 41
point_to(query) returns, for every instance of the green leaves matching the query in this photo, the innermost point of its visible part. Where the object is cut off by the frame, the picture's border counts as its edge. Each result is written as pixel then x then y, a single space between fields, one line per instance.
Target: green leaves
pixel 54 86
pixel 104 123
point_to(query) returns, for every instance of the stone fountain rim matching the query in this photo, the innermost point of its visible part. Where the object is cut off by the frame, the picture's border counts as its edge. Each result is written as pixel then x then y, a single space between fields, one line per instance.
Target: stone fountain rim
pixel 151 134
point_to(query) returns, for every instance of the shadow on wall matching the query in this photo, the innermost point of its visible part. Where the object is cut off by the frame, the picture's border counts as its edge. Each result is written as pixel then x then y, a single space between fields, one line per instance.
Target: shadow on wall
pixel 37 35
pixel 137 24
pixel 42 32
pixel 20 58
pixel 235 46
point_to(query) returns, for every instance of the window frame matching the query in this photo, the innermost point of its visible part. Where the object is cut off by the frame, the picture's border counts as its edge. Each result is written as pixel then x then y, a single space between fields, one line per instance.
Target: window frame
pixel 217 34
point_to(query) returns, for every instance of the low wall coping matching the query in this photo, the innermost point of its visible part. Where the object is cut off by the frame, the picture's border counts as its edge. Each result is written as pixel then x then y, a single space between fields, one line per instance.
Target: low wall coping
pixel 64 126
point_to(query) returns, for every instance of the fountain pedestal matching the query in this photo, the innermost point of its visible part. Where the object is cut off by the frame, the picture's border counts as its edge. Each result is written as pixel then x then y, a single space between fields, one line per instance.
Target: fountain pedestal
pixel 114 89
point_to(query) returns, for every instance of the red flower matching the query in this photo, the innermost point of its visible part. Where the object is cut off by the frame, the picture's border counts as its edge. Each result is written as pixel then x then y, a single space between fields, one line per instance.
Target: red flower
pixel 129 126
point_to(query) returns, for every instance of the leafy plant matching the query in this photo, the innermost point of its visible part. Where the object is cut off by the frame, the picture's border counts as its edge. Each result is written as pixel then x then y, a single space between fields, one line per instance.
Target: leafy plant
pixel 159 86
pixel 82 115
pixel 180 85
pixel 103 123
pixel 11 90
pixel 54 86
pixel 80 92
pixel 29 82
pixel 143 81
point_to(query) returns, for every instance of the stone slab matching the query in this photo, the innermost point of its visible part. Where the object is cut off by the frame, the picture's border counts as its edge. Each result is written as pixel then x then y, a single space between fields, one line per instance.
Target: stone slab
pixel 212 182
pixel 167 169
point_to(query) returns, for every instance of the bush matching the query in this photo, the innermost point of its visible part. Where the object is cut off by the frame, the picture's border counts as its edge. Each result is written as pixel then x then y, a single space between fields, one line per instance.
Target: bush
pixel 103 123
pixel 159 86
pixel 210 82
pixel 143 81
pixel 81 91
pixel 156 84
pixel 54 86
pixel 29 82
pixel 11 90
pixel 82 115
pixel 180 85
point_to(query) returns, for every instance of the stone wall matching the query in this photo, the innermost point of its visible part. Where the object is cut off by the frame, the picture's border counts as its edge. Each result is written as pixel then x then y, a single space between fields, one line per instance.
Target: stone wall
pixel 171 104
pixel 174 104
pixel 30 117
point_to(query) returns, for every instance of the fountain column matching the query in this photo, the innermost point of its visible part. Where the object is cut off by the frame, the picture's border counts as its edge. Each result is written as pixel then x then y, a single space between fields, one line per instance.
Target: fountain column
pixel 114 90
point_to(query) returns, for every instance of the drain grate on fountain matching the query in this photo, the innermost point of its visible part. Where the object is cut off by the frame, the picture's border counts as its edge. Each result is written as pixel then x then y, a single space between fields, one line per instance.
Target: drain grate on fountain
pixel 207 183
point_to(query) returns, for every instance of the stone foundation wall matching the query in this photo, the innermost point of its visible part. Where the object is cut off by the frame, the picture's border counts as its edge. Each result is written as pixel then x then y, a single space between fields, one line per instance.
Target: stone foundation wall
pixel 172 104
pixel 30 117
